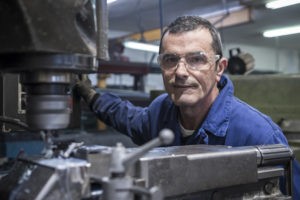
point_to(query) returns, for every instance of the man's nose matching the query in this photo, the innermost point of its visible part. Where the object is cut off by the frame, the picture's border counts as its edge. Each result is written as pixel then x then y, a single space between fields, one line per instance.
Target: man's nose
pixel 182 67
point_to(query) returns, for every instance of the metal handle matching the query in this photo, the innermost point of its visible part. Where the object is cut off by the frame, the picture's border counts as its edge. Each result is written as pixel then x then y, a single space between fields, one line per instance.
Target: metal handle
pixel 166 136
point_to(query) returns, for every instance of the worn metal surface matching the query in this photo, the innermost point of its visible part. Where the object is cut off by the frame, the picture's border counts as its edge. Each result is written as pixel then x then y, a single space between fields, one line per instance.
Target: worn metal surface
pixel 202 171
pixel 180 172
pixel 47 26
pixel 183 173
pixel 53 40
pixel 47 179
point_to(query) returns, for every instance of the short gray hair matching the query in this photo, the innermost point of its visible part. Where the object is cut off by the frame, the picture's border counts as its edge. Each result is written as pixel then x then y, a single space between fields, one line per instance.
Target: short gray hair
pixel 189 23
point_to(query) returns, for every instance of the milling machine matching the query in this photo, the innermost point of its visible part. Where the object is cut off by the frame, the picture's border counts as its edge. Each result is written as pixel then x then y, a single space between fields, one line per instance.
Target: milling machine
pixel 47 44
pixel 44 46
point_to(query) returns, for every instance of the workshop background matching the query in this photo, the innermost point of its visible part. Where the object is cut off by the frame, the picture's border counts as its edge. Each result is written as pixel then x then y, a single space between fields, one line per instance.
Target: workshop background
pixel 241 24
pixel 53 147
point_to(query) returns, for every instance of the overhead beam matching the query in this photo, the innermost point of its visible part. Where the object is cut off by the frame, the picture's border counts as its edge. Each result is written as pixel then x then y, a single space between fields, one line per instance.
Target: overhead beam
pixel 233 18
pixel 221 20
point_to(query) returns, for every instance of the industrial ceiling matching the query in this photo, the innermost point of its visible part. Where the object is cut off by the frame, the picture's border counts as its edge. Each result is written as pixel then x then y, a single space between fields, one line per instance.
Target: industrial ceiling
pixel 127 17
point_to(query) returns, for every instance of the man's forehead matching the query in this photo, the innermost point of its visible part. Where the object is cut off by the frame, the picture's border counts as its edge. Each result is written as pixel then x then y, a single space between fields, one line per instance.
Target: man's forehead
pixel 198 35
pixel 201 31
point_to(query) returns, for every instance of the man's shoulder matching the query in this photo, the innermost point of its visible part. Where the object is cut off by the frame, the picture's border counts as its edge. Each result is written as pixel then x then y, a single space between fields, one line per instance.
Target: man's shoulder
pixel 243 110
pixel 254 125
pixel 244 114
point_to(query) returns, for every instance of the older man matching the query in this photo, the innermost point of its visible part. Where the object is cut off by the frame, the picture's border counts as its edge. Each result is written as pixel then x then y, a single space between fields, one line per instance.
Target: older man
pixel 199 106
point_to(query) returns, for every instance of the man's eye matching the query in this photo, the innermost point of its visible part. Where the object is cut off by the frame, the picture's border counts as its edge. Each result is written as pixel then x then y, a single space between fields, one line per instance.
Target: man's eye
pixel 170 59
pixel 197 59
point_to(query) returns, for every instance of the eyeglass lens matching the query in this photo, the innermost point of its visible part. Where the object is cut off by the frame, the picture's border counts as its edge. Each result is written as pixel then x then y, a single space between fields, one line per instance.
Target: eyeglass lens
pixel 192 59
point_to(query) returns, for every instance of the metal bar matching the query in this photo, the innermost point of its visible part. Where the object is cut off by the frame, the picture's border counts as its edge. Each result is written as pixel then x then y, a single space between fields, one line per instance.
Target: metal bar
pixel 102 29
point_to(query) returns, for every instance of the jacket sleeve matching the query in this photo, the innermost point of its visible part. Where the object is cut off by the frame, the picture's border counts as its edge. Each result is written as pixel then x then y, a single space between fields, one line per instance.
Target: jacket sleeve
pixel 123 116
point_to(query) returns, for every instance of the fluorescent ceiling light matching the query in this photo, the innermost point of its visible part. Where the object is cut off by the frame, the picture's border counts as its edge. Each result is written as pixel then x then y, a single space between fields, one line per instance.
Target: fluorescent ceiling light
pixel 110 1
pixel 282 31
pixel 141 46
pixel 281 3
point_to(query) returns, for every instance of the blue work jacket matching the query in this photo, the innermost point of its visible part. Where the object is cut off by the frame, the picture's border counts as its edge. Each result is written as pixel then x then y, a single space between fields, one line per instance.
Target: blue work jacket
pixel 229 121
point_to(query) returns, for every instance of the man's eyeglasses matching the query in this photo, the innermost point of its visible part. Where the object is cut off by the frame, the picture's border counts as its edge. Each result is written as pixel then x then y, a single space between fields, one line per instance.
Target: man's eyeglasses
pixel 194 60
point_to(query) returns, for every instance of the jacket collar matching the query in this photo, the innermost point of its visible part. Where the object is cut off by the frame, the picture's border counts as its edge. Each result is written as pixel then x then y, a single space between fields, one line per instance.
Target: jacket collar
pixel 217 119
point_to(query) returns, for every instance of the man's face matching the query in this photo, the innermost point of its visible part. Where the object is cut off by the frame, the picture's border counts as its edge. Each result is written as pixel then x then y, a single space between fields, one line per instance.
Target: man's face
pixel 187 86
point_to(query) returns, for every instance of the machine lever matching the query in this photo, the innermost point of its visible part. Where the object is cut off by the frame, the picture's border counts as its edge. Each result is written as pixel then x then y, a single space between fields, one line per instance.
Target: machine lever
pixel 121 160
pixel 119 185
pixel 166 136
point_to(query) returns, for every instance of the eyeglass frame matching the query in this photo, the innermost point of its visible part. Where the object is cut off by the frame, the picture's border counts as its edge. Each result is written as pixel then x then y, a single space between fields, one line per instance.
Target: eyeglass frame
pixel 217 57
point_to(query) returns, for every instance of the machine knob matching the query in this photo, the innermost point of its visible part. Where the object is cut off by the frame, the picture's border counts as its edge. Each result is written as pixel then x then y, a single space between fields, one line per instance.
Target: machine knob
pixel 166 136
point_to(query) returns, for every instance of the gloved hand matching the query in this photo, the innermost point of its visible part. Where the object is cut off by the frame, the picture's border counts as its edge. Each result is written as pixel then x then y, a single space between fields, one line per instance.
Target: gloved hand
pixel 83 88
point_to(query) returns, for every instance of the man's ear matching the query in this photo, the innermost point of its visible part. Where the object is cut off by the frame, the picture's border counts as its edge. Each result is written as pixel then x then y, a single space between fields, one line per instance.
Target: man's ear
pixel 221 67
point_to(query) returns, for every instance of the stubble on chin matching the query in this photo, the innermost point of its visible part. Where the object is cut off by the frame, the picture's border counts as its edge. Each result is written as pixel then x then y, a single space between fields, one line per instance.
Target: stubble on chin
pixel 183 99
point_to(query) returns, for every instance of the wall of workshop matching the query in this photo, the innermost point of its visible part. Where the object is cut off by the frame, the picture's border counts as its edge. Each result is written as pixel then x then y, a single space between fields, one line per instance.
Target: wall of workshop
pixel 266 58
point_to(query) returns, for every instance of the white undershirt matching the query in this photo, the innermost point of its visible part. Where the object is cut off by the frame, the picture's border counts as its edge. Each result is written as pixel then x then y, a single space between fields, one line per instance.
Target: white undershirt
pixel 185 132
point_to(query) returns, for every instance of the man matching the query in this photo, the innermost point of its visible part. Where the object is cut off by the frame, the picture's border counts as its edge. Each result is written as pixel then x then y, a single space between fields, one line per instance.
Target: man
pixel 200 106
